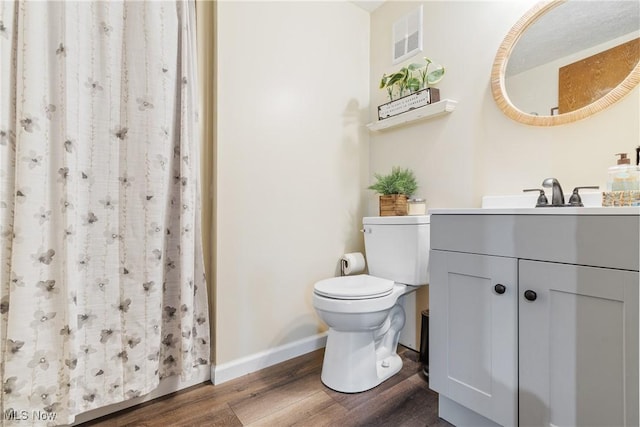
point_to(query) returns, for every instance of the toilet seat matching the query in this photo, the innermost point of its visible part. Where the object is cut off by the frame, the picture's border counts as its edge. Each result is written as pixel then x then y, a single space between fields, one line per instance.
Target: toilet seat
pixel 357 287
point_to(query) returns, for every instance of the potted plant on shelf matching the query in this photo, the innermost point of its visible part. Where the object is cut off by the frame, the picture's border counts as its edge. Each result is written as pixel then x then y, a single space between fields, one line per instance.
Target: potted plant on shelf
pixel 416 79
pixel 394 190
pixel 406 80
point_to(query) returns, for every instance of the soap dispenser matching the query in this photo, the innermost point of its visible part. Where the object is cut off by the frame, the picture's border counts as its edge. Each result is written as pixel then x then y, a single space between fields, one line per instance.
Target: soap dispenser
pixel 623 176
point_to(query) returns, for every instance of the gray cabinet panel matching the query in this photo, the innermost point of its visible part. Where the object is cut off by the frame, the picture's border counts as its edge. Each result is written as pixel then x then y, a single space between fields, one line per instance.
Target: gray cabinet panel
pixel 578 346
pixel 595 240
pixel 473 333
pixel 566 356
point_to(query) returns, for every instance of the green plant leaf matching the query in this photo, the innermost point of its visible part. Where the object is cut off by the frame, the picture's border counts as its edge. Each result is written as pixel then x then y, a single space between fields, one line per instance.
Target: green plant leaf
pixel 394 78
pixel 436 75
pixel 399 181
pixel 383 81
pixel 413 84
pixel 404 73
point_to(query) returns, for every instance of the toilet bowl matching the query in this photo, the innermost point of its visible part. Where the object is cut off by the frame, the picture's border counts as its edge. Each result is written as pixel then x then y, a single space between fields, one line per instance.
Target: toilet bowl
pixel 364 312
pixel 364 331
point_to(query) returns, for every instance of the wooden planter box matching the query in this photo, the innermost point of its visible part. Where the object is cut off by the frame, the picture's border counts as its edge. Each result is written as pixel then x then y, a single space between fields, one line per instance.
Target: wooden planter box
pixel 409 102
pixel 394 205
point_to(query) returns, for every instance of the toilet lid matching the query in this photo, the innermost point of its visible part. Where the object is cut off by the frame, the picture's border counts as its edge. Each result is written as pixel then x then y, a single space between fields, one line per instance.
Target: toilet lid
pixel 354 287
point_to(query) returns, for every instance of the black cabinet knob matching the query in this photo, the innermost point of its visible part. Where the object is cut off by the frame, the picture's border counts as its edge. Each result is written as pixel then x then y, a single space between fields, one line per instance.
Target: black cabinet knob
pixel 530 295
pixel 499 288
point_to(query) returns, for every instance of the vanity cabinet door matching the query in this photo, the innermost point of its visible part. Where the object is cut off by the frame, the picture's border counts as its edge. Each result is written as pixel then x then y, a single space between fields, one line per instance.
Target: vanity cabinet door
pixel 472 331
pixel 578 345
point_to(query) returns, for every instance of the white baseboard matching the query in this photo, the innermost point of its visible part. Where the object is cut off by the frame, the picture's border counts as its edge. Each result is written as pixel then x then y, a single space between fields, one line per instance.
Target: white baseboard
pixel 252 363
pixel 166 386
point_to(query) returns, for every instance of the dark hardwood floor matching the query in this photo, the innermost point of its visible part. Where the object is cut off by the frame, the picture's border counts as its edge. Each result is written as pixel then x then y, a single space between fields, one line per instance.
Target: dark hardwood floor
pixel 291 394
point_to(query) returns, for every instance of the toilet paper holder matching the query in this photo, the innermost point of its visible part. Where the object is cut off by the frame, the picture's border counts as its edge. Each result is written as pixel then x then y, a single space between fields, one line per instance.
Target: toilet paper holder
pixel 352 263
pixel 343 266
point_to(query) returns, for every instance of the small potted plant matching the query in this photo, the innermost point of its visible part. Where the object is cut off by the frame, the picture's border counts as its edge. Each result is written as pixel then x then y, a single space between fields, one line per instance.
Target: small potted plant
pixel 413 86
pixel 406 81
pixel 394 190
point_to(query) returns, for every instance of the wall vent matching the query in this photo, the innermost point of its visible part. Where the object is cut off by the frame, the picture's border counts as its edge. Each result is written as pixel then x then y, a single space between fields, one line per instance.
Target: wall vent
pixel 407 36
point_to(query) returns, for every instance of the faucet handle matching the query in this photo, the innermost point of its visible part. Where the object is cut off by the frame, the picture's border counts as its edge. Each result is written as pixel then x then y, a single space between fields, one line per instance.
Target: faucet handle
pixel 575 199
pixel 542 198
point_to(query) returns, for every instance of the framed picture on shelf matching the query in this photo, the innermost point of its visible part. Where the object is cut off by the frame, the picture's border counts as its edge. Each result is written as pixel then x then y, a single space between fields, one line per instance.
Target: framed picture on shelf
pixel 554 111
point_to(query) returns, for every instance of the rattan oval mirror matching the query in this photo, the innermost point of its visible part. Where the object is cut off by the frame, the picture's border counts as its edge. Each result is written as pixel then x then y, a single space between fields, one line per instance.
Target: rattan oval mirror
pixel 556 65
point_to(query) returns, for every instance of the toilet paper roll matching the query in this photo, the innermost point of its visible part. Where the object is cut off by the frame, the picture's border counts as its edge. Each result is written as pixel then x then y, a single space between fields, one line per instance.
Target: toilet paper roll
pixel 352 263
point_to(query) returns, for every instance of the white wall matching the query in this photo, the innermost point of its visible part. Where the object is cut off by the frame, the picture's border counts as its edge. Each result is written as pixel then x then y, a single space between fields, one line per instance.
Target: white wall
pixel 293 94
pixel 294 159
pixel 476 150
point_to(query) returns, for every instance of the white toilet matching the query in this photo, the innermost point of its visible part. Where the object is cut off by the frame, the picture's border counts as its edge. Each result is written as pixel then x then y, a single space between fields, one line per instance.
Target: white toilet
pixel 364 312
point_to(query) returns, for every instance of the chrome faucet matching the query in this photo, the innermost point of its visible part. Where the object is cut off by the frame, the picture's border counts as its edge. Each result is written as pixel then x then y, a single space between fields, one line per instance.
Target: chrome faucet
pixel 557 196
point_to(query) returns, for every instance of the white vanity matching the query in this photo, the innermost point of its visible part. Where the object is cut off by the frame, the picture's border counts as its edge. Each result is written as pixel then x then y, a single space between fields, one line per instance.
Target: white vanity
pixel 534 316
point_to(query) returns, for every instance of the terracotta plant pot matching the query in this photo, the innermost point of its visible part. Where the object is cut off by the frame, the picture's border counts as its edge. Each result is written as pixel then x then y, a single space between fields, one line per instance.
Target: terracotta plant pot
pixel 394 205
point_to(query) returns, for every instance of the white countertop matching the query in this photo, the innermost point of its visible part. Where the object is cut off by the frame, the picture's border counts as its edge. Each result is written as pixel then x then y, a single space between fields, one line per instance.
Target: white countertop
pixel 627 210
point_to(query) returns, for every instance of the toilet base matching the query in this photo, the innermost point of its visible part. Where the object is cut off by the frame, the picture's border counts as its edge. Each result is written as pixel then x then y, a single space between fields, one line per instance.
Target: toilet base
pixel 350 362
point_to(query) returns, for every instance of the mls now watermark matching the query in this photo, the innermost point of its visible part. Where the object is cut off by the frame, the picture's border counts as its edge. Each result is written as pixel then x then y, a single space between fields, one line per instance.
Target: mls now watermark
pixel 24 415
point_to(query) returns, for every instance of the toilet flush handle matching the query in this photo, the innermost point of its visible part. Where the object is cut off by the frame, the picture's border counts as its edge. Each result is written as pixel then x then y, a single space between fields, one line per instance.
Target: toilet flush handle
pixel 365 230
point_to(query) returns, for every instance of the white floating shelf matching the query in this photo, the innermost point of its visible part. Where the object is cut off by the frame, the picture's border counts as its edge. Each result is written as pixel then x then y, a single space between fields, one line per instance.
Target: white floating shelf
pixel 427 112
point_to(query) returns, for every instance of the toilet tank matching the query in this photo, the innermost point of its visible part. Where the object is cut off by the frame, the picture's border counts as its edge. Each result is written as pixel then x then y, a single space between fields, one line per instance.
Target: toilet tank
pixel 397 247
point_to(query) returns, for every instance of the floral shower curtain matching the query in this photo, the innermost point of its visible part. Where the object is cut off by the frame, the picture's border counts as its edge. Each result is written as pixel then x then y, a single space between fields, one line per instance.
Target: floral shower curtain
pixel 102 291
